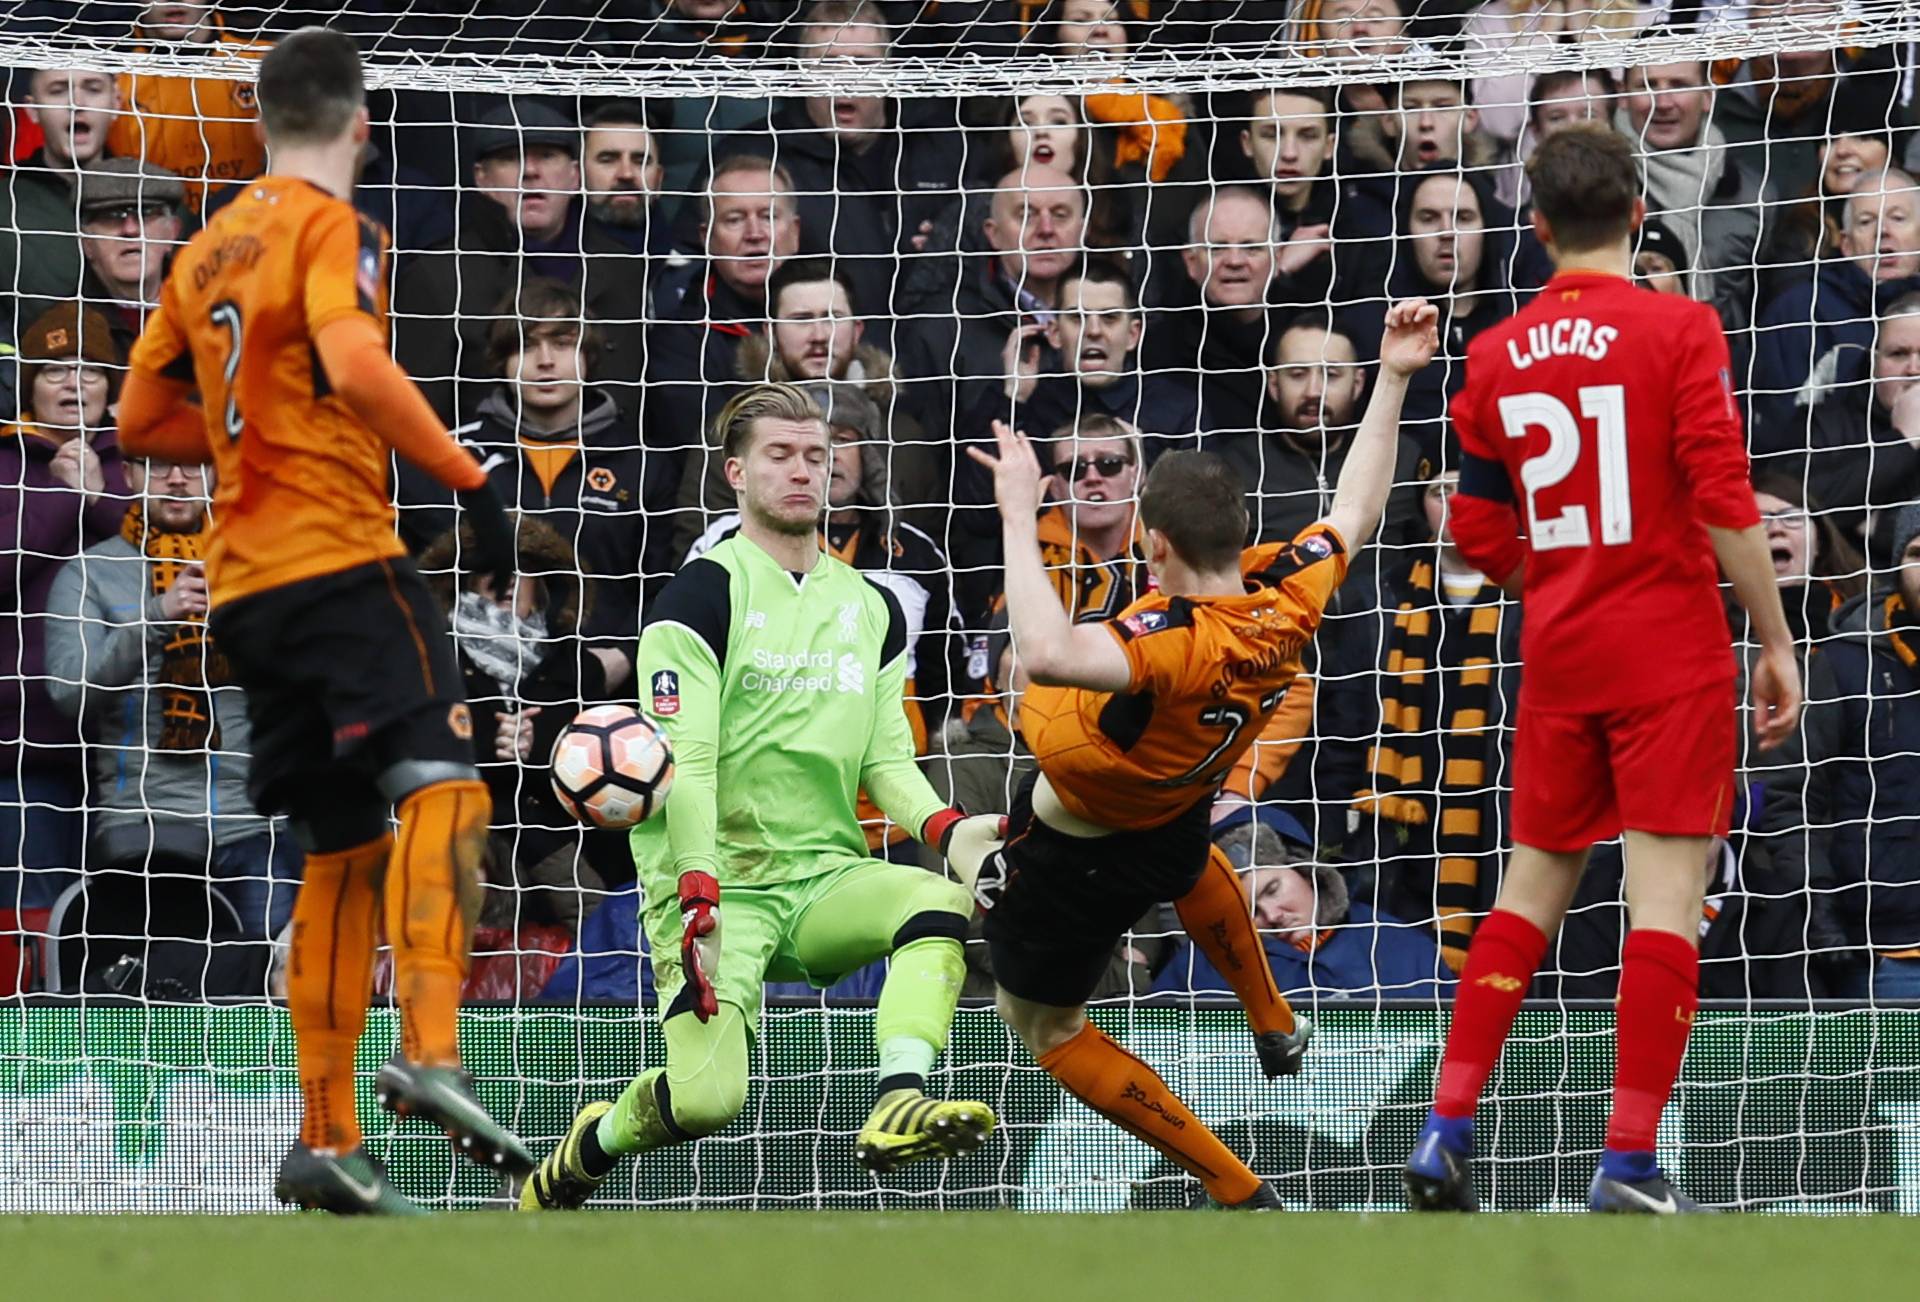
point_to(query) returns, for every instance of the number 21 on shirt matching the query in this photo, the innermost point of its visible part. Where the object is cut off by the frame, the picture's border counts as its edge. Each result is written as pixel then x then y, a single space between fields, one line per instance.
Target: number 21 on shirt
pixel 1605 406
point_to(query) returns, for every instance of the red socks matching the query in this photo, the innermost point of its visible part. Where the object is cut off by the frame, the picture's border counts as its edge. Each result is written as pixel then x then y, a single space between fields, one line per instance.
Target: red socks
pixel 1505 953
pixel 1659 990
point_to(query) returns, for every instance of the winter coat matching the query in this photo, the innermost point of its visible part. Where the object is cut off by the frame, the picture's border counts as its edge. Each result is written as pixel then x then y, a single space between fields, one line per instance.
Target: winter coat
pixel 446 299
pixel 1812 339
pixel 40 254
pixel 1851 457
pixel 597 503
pixel 43 525
pixel 1369 956
pixel 693 368
pixel 1862 728
pixel 567 680
pixel 1153 404
pixel 104 654
pixel 1215 360
pixel 1512 264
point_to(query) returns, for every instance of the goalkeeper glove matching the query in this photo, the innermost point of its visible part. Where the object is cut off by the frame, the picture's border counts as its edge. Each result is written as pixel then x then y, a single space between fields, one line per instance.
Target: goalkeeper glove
pixel 700 939
pixel 965 840
pixel 495 554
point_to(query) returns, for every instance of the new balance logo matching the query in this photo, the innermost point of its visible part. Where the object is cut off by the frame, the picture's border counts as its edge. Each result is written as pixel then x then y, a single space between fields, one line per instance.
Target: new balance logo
pixel 1501 981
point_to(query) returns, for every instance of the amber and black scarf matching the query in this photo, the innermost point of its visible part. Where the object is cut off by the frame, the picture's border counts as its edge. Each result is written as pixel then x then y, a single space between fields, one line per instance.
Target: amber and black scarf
pixel 189 663
pixel 1411 755
pixel 1900 628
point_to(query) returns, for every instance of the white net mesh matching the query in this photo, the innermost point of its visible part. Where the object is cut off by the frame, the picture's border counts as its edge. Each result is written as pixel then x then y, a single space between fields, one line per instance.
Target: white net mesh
pixel 1187 218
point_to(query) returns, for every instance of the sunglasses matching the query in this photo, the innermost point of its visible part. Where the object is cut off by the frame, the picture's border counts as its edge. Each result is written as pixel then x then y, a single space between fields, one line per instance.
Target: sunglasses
pixel 1079 468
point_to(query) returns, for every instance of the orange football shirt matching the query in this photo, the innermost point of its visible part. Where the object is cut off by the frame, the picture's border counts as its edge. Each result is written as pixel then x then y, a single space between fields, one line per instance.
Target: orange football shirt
pixel 1207 675
pixel 301 482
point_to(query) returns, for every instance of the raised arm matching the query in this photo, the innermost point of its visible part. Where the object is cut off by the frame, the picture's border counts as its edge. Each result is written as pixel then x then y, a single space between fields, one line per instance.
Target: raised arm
pixel 1053 649
pixel 1366 481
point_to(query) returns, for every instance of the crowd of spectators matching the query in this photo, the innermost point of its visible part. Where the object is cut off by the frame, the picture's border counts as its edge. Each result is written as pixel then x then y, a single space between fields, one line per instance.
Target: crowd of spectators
pixel 579 284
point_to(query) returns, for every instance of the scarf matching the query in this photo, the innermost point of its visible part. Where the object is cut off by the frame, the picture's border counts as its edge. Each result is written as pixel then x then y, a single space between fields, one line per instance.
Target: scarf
pixel 190 664
pixel 1149 130
pixel 500 644
pixel 1410 756
pixel 1680 183
pixel 1898 629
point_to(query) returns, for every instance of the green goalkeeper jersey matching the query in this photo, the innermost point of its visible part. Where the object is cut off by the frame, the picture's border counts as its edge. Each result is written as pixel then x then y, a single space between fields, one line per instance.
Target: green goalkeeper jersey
pixel 782 696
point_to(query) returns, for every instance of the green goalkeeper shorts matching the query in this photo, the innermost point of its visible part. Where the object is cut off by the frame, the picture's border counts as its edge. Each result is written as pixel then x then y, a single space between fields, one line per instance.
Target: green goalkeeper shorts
pixel 815 929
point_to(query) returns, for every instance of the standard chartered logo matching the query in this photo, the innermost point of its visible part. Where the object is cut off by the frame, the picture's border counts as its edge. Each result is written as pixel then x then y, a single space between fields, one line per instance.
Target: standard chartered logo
pixel 804 671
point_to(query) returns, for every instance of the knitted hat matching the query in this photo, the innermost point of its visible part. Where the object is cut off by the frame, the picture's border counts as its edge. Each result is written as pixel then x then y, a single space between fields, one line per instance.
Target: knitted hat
pixel 1657 237
pixel 63 333
pixel 1906 525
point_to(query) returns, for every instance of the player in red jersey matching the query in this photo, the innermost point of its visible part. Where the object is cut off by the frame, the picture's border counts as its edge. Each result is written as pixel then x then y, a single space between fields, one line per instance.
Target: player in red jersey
pixel 1603 472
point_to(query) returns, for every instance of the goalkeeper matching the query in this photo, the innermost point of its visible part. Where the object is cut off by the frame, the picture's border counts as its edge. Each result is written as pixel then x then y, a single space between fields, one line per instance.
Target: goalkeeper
pixel 779 675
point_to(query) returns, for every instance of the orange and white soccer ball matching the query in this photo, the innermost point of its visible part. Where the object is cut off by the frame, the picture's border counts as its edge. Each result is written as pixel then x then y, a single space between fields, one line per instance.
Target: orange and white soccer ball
pixel 612 767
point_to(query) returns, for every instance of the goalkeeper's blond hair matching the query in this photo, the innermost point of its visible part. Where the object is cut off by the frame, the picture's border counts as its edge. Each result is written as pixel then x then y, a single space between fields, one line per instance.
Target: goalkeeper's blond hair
pixel 733 427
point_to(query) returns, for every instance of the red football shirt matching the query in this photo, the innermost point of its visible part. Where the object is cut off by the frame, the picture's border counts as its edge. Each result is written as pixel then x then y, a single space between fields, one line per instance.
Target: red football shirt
pixel 1600 438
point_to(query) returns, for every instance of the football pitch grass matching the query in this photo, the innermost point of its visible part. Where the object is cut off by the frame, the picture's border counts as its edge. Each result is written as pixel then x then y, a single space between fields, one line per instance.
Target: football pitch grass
pixel 979 1257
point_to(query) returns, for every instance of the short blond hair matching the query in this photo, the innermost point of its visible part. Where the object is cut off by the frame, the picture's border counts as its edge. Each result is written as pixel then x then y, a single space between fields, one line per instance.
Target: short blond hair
pixel 734 425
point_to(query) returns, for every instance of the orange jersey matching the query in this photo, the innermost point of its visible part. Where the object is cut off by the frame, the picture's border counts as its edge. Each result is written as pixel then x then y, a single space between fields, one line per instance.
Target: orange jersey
pixel 201 127
pixel 301 487
pixel 1208 674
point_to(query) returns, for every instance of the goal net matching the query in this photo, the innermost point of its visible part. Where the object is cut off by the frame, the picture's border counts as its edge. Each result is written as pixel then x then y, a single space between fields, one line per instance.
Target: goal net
pixel 1126 228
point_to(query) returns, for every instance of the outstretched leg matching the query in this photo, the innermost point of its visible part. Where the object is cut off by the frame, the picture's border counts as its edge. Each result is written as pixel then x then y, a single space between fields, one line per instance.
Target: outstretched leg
pixel 1130 1094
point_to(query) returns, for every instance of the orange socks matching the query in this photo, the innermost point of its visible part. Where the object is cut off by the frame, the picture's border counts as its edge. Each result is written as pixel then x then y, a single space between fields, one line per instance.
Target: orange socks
pixel 433 900
pixel 329 981
pixel 1219 917
pixel 1132 1096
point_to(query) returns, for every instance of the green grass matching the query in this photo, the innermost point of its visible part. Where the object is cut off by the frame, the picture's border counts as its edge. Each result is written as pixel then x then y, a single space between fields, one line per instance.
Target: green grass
pixel 929 1257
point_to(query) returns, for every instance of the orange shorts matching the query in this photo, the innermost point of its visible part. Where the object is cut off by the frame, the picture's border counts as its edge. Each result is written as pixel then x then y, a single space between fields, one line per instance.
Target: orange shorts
pixel 1665 767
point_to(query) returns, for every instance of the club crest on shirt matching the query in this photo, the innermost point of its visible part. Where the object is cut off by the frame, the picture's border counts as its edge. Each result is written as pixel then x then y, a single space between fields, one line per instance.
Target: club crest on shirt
pixel 1144 622
pixel 368 278
pixel 850 621
pixel 666 693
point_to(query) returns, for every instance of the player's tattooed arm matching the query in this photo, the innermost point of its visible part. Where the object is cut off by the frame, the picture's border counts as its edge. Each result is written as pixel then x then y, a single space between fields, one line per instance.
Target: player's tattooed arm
pixel 1407 345
pixel 1053 649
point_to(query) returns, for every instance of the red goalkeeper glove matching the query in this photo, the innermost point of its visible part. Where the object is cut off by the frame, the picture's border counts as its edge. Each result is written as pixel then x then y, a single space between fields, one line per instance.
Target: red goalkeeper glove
pixel 700 939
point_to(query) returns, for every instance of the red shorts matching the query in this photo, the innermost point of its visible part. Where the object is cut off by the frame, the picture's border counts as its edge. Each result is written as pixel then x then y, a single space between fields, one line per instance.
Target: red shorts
pixel 1665 768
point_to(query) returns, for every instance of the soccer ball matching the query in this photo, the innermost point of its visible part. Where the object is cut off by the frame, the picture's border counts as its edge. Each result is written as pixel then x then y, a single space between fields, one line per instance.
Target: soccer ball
pixel 612 767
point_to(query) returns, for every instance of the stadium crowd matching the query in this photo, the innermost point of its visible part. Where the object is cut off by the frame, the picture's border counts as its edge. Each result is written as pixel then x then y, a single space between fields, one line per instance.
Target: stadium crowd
pixel 579 285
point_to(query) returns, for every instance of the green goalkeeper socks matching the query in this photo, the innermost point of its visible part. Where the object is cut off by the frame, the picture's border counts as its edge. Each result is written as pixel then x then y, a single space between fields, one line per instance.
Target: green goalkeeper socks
pixel 634 1125
pixel 916 1009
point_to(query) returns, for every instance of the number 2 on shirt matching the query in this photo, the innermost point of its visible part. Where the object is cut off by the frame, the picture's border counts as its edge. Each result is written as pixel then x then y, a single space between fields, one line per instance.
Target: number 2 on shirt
pixel 227 313
pixel 1606 406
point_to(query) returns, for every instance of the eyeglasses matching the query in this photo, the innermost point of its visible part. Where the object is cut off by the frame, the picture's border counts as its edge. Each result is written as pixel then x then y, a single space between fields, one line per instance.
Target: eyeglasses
pixel 117 217
pixel 59 373
pixel 1080 467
